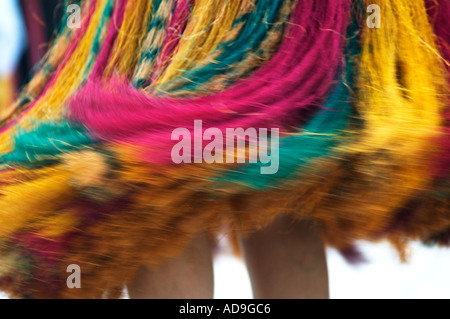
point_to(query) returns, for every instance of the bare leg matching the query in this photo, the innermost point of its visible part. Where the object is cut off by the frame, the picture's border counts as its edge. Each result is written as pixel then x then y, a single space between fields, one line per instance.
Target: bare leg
pixel 188 276
pixel 286 260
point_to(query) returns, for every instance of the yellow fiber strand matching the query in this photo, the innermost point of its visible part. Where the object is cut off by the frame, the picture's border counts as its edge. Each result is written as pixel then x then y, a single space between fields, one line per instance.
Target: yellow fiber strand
pixel 211 21
pixel 6 95
pixel 131 36
pixel 23 202
pixel 401 77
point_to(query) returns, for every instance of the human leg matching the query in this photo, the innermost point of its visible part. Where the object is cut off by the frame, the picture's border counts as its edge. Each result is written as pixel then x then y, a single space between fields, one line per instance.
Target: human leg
pixel 286 260
pixel 187 276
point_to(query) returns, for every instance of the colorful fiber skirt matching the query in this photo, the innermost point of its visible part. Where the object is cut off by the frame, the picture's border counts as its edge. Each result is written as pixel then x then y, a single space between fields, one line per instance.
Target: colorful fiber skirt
pixel 151 120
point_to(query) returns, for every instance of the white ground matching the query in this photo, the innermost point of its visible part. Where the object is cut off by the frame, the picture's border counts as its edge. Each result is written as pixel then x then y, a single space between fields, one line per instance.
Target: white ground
pixel 425 276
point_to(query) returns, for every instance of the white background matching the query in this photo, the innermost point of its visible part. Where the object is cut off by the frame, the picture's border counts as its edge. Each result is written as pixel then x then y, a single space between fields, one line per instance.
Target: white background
pixel 384 276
